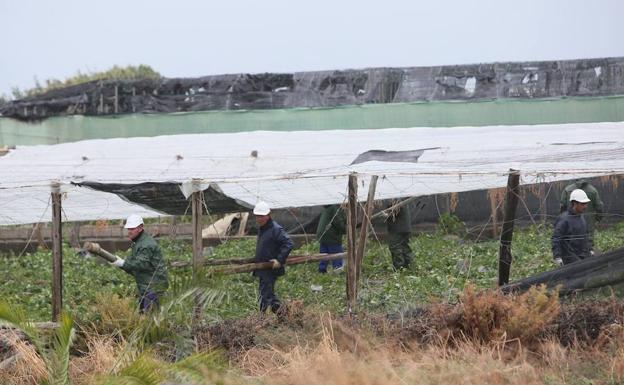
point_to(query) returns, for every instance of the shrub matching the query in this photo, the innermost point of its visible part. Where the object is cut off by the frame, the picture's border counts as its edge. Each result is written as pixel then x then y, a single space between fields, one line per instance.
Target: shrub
pixel 490 315
pixel 451 224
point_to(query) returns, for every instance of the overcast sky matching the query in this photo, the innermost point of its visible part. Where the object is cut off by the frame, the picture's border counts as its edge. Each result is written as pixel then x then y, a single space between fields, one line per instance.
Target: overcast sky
pixel 186 38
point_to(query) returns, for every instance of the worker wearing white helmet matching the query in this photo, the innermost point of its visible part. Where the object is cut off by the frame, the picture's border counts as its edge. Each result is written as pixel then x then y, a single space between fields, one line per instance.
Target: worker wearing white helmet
pixel 595 208
pixel 273 245
pixel 146 264
pixel 570 238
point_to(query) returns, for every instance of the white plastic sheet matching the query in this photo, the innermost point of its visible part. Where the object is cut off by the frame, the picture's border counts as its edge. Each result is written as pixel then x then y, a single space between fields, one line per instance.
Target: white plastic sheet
pixel 302 168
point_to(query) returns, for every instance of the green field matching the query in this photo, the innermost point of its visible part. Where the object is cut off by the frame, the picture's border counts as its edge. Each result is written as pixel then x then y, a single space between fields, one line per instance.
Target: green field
pixel 442 264
pixel 456 332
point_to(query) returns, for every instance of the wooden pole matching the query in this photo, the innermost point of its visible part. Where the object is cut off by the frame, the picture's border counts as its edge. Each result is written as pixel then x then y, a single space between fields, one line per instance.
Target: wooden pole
pixel 198 245
pixel 511 203
pixel 94 248
pixel 351 245
pixel 57 252
pixel 244 217
pixel 543 203
pixel 197 210
pixel 74 235
pixel 116 99
pixel 215 262
pixel 39 235
pixel 395 207
pixel 291 260
pixel 368 210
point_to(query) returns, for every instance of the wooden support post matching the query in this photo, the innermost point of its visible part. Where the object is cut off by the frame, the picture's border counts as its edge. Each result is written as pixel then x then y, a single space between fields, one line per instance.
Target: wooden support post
pixel 244 217
pixel 494 213
pixel 198 244
pixel 116 98
pixel 543 203
pixel 197 210
pixel 38 233
pixel 74 235
pixel 366 217
pixel 57 252
pixel 511 203
pixel 351 245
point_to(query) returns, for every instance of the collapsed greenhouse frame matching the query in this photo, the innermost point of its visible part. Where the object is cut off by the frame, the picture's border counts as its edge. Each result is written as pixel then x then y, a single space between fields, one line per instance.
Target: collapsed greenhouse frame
pixel 445 161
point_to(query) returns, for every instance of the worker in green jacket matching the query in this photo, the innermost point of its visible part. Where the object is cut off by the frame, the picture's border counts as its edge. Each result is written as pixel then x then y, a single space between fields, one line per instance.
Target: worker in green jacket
pixel 331 227
pixel 146 264
pixel 594 210
pixel 399 226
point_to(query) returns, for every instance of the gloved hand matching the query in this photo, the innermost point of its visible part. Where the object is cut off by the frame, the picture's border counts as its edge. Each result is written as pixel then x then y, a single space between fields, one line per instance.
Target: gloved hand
pixel 558 262
pixel 119 262
pixel 276 263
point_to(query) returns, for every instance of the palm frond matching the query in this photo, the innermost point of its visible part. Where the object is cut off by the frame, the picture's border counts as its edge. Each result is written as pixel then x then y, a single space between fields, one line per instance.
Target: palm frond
pixel 176 309
pixel 15 317
pixel 58 355
pixel 197 367
pixel 143 371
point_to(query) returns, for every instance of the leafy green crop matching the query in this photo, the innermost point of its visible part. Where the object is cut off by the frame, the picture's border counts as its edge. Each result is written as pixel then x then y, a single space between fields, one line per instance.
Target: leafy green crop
pixel 441 266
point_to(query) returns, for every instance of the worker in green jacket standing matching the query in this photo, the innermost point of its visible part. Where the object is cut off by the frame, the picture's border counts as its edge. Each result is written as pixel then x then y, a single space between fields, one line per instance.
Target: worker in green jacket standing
pixel 331 227
pixel 594 210
pixel 399 226
pixel 146 264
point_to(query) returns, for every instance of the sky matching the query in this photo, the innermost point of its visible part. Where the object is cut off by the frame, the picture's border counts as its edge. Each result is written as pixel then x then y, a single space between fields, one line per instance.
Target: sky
pixel 44 39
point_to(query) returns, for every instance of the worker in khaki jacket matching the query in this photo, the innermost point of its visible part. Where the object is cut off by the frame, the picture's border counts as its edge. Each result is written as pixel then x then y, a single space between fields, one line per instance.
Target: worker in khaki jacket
pixel 146 264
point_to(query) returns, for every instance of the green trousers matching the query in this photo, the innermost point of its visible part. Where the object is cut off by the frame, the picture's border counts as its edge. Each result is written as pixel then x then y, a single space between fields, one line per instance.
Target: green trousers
pixel 400 249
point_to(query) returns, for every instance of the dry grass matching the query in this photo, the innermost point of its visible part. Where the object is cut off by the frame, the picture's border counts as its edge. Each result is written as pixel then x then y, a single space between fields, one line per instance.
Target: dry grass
pixel 98 360
pixel 465 362
pixel 28 367
pixel 117 315
pixel 328 364
pixel 514 340
pixel 487 338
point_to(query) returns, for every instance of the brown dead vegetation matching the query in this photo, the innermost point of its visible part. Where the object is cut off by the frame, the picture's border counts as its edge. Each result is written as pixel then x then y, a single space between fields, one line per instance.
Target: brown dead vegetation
pixel 487 337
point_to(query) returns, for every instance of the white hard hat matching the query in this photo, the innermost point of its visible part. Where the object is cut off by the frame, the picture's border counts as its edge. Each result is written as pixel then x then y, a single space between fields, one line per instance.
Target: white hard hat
pixel 262 208
pixel 579 196
pixel 133 221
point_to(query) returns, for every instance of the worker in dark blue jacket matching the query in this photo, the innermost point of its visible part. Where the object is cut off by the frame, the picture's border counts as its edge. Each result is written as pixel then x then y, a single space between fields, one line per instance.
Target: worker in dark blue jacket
pixel 273 245
pixel 570 237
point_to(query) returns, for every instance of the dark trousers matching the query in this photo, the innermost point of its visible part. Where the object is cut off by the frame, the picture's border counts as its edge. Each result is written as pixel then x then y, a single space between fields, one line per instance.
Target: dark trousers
pixel 147 301
pixel 266 289
pixel 330 249
pixel 400 249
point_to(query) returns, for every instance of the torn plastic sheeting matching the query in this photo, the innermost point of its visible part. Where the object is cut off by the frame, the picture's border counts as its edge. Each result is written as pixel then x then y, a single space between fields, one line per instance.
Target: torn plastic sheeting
pixel 389 156
pixel 32 204
pixel 306 168
pixel 169 197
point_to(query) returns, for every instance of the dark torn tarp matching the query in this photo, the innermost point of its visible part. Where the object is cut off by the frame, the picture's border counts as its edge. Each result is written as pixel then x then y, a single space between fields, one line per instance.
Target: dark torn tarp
pixel 591 273
pixel 410 156
pixel 168 198
pixel 488 81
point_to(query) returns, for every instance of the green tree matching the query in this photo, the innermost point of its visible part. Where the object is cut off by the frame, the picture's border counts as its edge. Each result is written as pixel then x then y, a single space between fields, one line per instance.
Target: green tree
pixel 130 72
